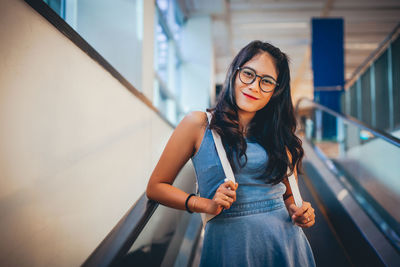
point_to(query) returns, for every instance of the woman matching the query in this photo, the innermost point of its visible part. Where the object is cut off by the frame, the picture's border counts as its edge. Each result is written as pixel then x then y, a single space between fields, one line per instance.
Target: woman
pixel 255 119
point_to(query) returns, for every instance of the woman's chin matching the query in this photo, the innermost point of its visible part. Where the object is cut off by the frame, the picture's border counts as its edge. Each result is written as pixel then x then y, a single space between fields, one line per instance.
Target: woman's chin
pixel 248 108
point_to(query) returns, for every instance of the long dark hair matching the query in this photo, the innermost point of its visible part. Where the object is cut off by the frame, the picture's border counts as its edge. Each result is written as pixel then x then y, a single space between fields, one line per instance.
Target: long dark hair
pixel 273 127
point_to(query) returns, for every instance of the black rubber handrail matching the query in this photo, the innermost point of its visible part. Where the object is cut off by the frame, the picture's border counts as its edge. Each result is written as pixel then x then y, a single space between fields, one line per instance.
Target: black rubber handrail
pixel 351 120
pixel 118 242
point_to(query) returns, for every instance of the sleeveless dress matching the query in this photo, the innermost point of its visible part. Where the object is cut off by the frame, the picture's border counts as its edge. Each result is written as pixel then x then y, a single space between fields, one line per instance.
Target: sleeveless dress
pixel 257 230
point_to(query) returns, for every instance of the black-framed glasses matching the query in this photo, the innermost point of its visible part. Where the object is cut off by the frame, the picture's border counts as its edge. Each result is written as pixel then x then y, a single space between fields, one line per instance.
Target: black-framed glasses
pixel 248 76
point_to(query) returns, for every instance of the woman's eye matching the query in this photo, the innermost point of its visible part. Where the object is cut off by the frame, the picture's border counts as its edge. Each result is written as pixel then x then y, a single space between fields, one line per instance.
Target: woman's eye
pixel 248 73
pixel 267 82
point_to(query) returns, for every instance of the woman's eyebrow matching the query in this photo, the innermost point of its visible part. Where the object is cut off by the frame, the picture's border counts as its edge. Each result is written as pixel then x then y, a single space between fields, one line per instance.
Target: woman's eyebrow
pixel 262 75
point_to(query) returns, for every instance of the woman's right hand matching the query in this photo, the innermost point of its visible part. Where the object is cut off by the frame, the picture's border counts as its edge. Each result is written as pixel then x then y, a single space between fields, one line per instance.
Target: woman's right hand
pixel 223 198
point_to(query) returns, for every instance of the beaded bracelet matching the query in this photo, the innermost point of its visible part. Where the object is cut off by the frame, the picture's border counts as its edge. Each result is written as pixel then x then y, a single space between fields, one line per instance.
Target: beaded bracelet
pixel 187 201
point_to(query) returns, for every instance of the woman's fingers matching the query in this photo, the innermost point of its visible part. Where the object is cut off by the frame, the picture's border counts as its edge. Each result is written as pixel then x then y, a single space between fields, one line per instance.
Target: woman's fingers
pixel 225 197
pixel 306 225
pixel 226 194
pixel 223 200
pixel 304 220
pixel 304 216
pixel 300 211
pixel 225 204
pixel 229 184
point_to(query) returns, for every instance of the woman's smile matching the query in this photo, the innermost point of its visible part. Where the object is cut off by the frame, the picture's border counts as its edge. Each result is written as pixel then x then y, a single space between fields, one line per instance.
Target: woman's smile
pixel 250 96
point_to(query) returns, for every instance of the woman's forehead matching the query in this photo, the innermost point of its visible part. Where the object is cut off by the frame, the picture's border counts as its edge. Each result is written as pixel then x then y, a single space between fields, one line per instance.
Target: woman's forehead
pixel 264 64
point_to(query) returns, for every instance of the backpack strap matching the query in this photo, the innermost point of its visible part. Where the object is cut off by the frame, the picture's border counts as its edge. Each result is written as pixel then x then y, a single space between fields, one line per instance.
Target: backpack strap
pixel 295 190
pixel 222 153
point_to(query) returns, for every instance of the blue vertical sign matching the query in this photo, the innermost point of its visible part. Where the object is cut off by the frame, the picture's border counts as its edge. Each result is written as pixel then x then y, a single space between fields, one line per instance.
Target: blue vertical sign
pixel 328 67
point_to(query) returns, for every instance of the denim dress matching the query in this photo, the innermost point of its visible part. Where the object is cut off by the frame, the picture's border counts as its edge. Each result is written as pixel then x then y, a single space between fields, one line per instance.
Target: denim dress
pixel 257 229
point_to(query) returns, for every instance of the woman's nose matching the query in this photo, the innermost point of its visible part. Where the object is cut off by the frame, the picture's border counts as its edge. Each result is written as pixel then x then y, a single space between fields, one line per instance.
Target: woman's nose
pixel 255 85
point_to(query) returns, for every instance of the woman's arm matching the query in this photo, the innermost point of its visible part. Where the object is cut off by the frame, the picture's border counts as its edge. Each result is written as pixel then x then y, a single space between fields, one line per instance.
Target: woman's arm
pixel 288 195
pixel 180 147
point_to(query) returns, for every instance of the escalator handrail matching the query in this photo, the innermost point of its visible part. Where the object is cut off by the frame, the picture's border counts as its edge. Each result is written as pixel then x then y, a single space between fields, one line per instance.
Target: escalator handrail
pixel 118 242
pixel 351 120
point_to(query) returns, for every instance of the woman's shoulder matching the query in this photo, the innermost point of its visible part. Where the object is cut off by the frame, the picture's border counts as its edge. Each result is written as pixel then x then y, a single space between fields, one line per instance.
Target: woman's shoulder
pixel 196 121
pixel 195 118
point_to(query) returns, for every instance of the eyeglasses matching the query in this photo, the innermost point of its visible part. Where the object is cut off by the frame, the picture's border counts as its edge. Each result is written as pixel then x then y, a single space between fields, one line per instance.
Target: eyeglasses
pixel 248 76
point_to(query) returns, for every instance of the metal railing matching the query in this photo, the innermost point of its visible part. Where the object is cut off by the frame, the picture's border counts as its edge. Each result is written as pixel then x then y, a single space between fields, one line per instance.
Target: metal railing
pixel 384 135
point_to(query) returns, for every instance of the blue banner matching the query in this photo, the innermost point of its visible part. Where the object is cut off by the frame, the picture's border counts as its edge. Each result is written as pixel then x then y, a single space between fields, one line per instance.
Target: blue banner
pixel 328 67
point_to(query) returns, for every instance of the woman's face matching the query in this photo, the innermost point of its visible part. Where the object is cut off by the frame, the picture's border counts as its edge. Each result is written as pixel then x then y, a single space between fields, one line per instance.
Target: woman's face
pixel 249 97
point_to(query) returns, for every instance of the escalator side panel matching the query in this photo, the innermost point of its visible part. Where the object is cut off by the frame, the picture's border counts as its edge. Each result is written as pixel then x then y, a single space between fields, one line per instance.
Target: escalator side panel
pixel 357 248
pixel 362 239
pixel 327 247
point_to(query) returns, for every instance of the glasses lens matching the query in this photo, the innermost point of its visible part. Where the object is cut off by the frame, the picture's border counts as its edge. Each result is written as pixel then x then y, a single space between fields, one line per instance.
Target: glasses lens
pixel 247 75
pixel 267 84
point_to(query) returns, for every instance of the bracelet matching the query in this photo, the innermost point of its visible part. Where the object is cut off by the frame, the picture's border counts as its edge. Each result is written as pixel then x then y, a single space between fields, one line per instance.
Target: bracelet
pixel 194 204
pixel 286 197
pixel 187 201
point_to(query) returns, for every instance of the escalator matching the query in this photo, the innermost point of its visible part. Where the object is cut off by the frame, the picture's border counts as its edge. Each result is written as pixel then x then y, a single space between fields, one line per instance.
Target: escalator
pixel 350 179
pixel 353 175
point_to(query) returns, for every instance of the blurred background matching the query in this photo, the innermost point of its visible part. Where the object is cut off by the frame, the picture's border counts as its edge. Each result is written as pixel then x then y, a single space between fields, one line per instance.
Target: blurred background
pixel 91 90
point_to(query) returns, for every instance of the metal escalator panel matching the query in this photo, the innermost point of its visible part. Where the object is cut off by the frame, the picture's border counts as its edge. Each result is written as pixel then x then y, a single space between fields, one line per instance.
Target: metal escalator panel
pixel 150 234
pixel 366 162
pixel 168 239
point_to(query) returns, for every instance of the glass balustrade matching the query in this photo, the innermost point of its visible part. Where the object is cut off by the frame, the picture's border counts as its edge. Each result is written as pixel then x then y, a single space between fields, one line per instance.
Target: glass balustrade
pixel 367 165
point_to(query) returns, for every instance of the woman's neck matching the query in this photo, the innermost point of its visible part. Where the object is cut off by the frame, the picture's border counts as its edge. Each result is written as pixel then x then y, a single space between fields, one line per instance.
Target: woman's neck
pixel 244 120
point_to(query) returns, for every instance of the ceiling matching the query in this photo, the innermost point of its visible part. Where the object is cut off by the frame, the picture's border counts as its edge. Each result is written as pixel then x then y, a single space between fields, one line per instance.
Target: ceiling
pixel 286 24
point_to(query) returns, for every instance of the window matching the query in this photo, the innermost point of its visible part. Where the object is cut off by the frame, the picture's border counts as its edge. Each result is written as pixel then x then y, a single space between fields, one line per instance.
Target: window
pixel 113 28
pixel 167 61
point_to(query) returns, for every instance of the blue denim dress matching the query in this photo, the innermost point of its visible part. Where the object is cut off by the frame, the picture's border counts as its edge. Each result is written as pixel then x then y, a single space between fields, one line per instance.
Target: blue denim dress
pixel 257 230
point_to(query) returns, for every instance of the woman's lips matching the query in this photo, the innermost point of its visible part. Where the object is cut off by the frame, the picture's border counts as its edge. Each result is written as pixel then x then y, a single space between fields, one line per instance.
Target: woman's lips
pixel 249 96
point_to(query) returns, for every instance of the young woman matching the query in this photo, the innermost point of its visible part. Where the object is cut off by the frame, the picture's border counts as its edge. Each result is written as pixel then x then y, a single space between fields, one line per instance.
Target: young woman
pixel 257 222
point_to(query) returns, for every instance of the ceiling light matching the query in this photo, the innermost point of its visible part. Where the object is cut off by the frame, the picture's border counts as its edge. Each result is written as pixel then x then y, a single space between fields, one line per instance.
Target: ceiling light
pixel 276 25
pixel 361 46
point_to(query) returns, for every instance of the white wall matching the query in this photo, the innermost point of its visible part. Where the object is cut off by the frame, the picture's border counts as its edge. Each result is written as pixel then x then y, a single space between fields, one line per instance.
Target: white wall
pixel 198 66
pixel 149 22
pixel 76 147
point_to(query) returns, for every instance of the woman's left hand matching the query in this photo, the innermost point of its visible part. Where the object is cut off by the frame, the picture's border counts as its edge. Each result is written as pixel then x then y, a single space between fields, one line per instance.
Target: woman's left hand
pixel 303 216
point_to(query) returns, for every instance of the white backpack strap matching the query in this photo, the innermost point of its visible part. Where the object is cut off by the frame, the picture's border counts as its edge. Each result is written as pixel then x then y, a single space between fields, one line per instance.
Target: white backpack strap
pixel 222 153
pixel 225 165
pixel 295 191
